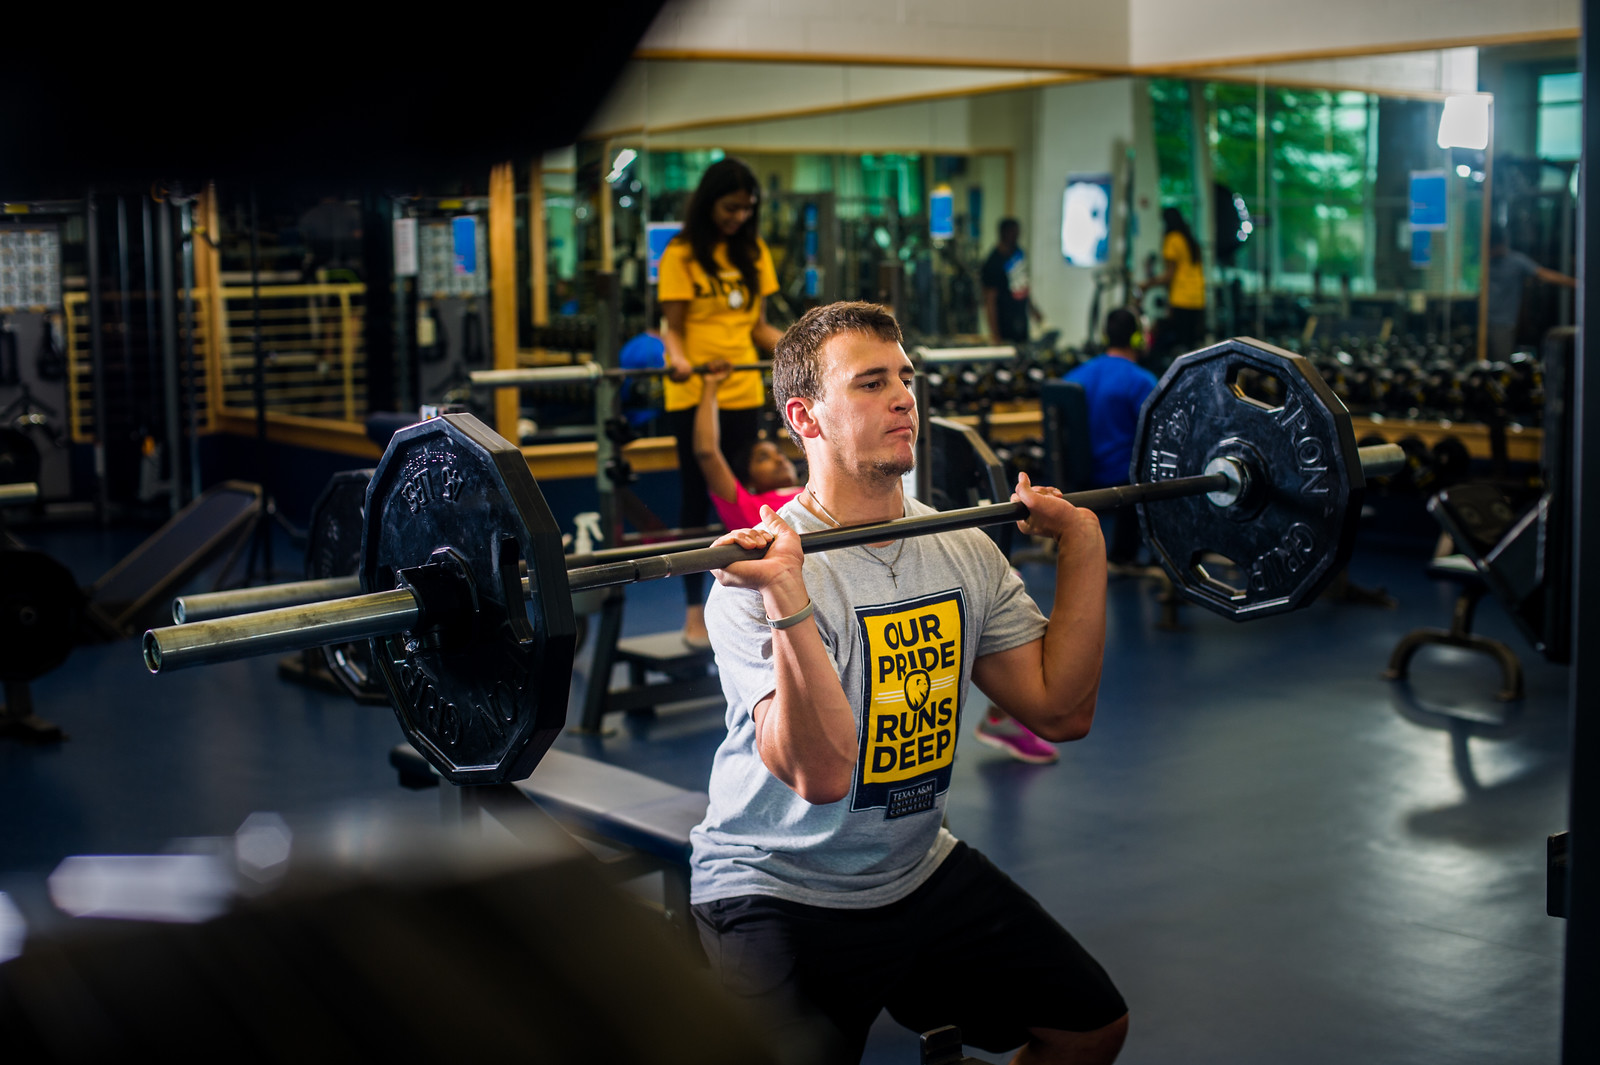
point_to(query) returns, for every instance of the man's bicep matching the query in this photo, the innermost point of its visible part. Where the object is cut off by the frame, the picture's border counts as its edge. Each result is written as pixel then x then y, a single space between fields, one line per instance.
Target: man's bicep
pixel 758 712
pixel 1014 677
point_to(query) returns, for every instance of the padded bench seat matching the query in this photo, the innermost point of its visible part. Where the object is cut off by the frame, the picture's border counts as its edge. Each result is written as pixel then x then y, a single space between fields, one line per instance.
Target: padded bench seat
pixel 605 802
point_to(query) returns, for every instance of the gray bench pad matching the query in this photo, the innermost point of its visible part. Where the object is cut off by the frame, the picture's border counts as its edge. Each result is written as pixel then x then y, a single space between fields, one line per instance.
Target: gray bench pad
pixel 606 801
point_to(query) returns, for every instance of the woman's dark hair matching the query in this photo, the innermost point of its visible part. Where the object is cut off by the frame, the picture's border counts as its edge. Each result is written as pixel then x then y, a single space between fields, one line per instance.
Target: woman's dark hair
pixel 1172 219
pixel 727 175
pixel 739 461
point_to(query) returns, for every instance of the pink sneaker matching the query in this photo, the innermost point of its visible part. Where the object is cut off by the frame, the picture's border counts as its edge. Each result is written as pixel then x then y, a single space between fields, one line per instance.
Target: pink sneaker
pixel 1006 733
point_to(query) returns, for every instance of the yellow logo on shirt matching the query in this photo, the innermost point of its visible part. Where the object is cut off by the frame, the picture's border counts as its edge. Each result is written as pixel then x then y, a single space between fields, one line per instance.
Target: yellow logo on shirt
pixel 913 690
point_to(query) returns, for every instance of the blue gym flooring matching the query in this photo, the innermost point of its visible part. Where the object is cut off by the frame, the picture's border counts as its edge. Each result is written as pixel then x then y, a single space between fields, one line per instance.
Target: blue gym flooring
pixel 1278 856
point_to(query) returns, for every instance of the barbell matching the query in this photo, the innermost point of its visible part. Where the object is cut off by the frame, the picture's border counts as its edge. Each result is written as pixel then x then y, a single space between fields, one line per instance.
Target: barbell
pixel 20 492
pixel 584 372
pixel 207 606
pixel 1246 476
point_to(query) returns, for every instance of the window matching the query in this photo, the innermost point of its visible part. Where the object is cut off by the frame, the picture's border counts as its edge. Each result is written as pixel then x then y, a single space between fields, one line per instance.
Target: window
pixel 1560 134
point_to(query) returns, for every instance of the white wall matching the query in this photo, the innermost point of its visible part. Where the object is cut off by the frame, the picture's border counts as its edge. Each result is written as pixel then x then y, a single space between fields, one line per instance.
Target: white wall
pixel 1085 128
pixel 1445 70
pixel 929 125
pixel 1090 34
pixel 1166 32
pixel 656 95
pixel 1018 33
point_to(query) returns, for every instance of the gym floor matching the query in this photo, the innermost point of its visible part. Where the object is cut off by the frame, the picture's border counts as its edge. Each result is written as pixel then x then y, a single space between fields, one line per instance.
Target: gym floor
pixel 1277 855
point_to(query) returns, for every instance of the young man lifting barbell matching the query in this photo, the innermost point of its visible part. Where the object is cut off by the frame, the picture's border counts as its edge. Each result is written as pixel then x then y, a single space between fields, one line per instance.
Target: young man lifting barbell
pixel 823 882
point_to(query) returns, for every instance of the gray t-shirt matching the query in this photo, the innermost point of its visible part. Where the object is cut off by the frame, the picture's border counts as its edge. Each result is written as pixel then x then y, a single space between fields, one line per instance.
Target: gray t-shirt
pixel 1507 274
pixel 903 648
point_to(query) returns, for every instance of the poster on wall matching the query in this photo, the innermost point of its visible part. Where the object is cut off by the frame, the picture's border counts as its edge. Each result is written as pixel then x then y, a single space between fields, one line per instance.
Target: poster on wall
pixel 1086 220
pixel 1428 189
pixel 657 236
pixel 1421 247
pixel 441 266
pixel 30 269
pixel 405 247
pixel 942 213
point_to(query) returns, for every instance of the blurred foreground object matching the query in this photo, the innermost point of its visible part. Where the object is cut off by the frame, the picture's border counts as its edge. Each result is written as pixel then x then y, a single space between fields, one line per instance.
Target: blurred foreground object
pixel 384 940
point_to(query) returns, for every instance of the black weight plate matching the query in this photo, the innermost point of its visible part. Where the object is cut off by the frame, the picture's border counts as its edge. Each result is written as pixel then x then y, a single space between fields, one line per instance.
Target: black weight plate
pixel 1418 474
pixel 40 607
pixel 1452 462
pixel 333 549
pixel 1293 531
pixel 483 700
pixel 19 457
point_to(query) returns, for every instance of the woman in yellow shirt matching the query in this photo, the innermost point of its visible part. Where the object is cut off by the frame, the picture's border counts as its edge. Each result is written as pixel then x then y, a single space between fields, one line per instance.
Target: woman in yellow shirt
pixel 715 277
pixel 1184 328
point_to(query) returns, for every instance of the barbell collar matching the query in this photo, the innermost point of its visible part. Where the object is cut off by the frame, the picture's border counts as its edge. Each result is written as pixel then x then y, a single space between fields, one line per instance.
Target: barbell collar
pixel 21 492
pixel 1237 474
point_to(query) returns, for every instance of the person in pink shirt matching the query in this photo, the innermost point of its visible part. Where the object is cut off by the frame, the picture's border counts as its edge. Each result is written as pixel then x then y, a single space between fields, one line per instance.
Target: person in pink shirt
pixel 768 477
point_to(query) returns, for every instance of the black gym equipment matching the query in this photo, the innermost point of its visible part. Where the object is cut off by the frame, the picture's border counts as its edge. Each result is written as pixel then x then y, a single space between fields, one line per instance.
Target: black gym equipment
pixel 333 550
pixel 13 494
pixel 966 473
pixel 133 591
pixel 478 657
pixel 128 596
pixel 1288 525
pixel 40 614
pixel 1064 417
pixel 19 457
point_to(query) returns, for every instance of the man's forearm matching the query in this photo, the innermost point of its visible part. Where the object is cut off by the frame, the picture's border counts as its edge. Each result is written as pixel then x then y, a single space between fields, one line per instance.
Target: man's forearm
pixel 806 731
pixel 1075 640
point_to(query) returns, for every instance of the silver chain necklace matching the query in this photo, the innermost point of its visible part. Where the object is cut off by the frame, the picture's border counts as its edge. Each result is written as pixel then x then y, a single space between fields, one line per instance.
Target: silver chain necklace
pixel 890 565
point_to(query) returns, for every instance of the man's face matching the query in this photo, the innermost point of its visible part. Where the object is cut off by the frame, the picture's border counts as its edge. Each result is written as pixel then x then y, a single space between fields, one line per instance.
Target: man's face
pixel 868 412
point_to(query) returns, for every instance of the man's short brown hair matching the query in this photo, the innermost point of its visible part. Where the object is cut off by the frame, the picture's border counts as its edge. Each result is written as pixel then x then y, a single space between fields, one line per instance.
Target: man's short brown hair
pixel 797 358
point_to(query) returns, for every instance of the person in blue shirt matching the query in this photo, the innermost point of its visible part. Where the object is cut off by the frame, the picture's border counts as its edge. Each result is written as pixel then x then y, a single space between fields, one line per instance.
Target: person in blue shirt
pixel 1116 386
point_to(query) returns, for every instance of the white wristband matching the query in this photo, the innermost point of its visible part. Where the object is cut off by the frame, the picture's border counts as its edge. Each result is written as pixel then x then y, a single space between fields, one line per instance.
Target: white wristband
pixel 793 619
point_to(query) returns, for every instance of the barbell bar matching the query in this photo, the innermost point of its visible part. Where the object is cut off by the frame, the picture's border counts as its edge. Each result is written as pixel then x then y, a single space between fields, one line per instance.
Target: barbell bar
pixel 208 606
pixel 20 492
pixel 386 613
pixel 1376 461
pixel 582 372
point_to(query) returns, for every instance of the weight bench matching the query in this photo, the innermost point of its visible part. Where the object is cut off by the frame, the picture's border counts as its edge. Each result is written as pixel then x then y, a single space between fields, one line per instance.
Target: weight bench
pixel 646 821
pixel 1460 570
pixel 135 591
pixel 687 670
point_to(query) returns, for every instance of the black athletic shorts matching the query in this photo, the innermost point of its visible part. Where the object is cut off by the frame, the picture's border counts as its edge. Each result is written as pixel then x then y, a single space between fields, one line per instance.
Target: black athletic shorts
pixel 969 947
